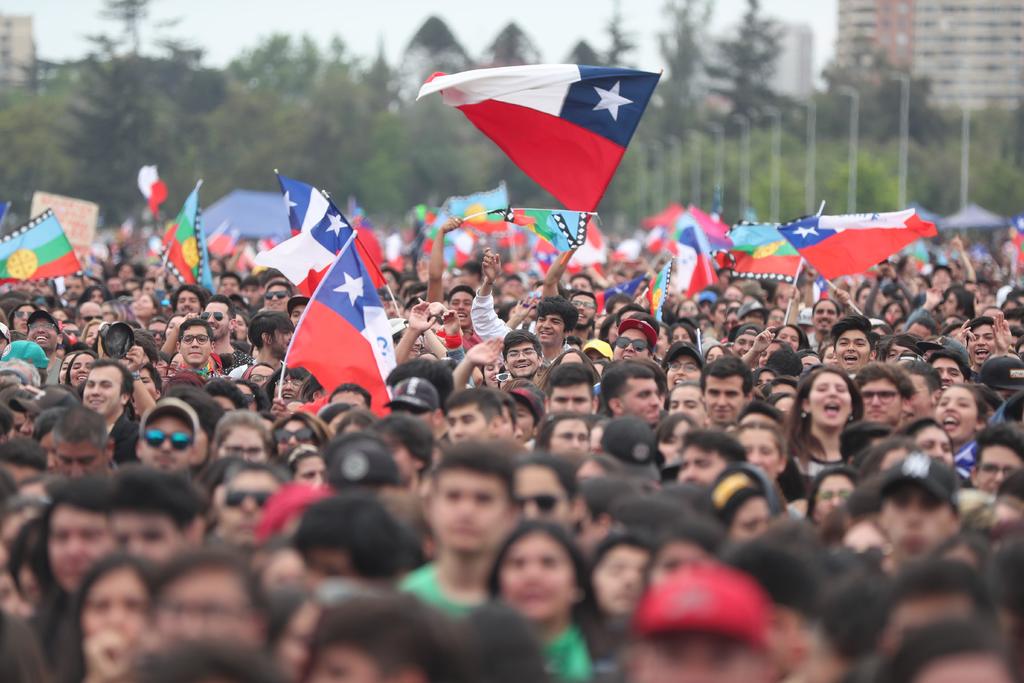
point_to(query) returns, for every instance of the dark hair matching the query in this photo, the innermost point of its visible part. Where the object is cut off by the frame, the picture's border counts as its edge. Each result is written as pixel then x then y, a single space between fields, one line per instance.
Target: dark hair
pixel 561 468
pixel 149 491
pixel 485 458
pixel 89 493
pixel 790 579
pixel 939 577
pixel 547 427
pixel 802 443
pixel 715 441
pixel 725 367
pixel 209 411
pixel 964 301
pixel 617 539
pixel 1004 434
pixel 561 307
pixel 516 338
pixel 226 388
pixel 203 661
pixel 569 375
pixel 221 299
pixel 924 646
pixel 617 376
pixel 412 433
pixel 24 452
pixel 819 479
pixel 923 369
pixel 78 424
pixel 21 658
pixel 200 293
pixel 436 372
pixel 357 523
pixel 267 323
pixel 757 407
pixel 194 322
pixel 488 401
pixel 353 388
pixel 895 375
pixel 507 647
pixel 208 559
pixel 126 377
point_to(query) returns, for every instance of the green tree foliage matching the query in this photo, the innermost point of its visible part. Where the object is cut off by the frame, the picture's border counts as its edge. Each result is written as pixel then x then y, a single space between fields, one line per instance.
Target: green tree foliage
pixel 510 47
pixel 620 42
pixel 746 63
pixel 583 53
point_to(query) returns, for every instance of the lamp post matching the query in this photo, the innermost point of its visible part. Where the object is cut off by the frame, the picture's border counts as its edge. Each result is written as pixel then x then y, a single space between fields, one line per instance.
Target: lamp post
pixel 965 156
pixel 776 164
pixel 695 169
pixel 851 199
pixel 810 177
pixel 744 164
pixel 719 132
pixel 904 80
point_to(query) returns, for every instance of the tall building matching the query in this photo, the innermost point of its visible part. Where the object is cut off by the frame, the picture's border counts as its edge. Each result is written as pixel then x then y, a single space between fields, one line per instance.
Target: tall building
pixel 794 68
pixel 17 51
pixel 971 50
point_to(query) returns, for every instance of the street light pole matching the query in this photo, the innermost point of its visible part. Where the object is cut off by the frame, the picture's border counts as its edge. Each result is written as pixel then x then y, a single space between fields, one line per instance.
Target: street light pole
pixel 965 156
pixel 904 80
pixel 719 131
pixel 851 199
pixel 695 169
pixel 744 165
pixel 810 178
pixel 776 163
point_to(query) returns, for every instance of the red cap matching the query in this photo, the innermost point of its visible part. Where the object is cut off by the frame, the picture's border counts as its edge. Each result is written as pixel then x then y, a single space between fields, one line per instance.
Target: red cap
pixel 286 505
pixel 705 598
pixel 648 331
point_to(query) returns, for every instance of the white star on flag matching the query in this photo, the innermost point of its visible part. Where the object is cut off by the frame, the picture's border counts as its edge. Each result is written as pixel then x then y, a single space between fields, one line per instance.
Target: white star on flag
pixel 611 100
pixel 353 287
pixel 804 232
pixel 336 223
pixel 288 203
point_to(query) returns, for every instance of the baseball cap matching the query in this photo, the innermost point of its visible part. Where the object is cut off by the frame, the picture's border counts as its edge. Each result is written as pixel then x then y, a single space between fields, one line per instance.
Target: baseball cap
pixel 947 345
pixel 397 325
pixel 533 402
pixel 635 324
pixel 416 394
pixel 684 349
pixel 707 295
pixel 752 307
pixel 40 314
pixel 297 301
pixel 706 599
pixel 931 475
pixel 28 351
pixel 286 505
pixel 632 442
pixel 52 397
pixel 362 460
pixel 173 407
pixel 1002 372
pixel 599 345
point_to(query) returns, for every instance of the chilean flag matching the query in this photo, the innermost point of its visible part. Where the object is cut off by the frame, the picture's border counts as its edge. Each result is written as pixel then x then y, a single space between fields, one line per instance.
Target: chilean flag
pixel 151 187
pixel 851 244
pixel 566 126
pixel 344 335
pixel 628 288
pixel 694 271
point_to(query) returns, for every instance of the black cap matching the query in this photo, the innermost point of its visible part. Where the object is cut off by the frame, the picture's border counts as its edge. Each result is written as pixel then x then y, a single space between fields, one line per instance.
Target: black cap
pixel 632 442
pixel 416 394
pixel 743 329
pixel 1002 372
pixel 946 347
pixel 362 461
pixel 40 314
pixel 684 349
pixel 931 475
pixel 295 302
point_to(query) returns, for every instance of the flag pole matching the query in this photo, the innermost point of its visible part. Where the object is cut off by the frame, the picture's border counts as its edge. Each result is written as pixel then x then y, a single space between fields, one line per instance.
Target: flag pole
pixel 796 288
pixel 851 305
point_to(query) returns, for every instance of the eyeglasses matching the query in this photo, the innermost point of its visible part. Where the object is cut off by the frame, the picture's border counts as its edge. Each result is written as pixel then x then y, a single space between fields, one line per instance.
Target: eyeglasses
pixel 685 367
pixel 826 496
pixel 24 314
pixel 218 316
pixel 584 303
pixel 624 343
pixel 993 469
pixel 35 327
pixel 275 295
pixel 521 353
pixel 156 437
pixel 882 396
pixel 235 498
pixel 545 502
pixel 85 318
pixel 198 338
pixel 247 399
pixel 284 435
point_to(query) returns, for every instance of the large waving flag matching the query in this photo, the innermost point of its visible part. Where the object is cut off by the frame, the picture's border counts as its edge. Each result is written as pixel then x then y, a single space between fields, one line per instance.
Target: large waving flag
pixel 694 270
pixel 322 231
pixel 566 126
pixel 37 251
pixel 851 244
pixel 565 230
pixel 760 252
pixel 182 253
pixel 343 335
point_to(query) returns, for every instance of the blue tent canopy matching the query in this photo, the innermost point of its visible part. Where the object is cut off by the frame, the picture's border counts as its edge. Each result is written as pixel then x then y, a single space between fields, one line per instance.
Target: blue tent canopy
pixel 255 215
pixel 924 214
pixel 973 216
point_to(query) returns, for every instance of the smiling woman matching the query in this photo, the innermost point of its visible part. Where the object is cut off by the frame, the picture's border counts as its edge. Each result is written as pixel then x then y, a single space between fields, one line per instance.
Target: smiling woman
pixel 826 400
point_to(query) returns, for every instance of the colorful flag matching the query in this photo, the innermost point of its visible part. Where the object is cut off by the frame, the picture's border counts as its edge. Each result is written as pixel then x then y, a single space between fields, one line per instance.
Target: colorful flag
pixel 181 248
pixel 666 218
pixel 565 126
pixel 152 188
pixel 37 251
pixel 477 208
pixel 715 230
pixel 593 252
pixel 565 230
pixel 1016 237
pixel 319 230
pixel 628 288
pixel 4 208
pixel 760 252
pixel 851 244
pixel 820 288
pixel 343 335
pixel 694 269
pixel 659 290
pixel 223 240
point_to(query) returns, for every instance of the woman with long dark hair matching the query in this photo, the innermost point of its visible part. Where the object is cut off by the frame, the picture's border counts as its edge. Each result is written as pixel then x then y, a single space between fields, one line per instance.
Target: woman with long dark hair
pixel 826 400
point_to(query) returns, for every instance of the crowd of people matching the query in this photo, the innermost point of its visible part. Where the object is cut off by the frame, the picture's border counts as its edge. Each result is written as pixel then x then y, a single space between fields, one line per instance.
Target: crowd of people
pixel 751 485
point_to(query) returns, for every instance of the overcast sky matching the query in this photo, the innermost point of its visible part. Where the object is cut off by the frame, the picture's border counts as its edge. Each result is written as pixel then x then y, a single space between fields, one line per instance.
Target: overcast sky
pixel 223 28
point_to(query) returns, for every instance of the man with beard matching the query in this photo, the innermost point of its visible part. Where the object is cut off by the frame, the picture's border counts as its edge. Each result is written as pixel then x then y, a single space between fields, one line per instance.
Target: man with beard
pixel 853 343
pixel 219 314
pixel 269 332
pixel 823 316
pixel 586 305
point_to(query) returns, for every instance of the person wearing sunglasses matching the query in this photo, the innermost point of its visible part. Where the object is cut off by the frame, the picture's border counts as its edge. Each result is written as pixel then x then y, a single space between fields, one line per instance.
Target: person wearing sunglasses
pixel 247 487
pixel 167 436
pixel 546 490
pixel 219 314
pixel 195 344
pixel 277 295
pixel 636 341
pixel 297 429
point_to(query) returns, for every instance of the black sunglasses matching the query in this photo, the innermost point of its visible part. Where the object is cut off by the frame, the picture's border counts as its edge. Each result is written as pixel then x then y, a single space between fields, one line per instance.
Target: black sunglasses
pixel 283 435
pixel 638 344
pixel 544 502
pixel 218 316
pixel 179 440
pixel 236 498
pixel 275 295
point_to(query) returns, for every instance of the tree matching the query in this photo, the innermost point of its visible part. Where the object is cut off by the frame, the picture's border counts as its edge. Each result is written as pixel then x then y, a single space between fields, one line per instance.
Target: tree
pixel 131 14
pixel 432 48
pixel 746 63
pixel 382 81
pixel 511 47
pixel 582 53
pixel 620 42
pixel 279 64
pixel 680 48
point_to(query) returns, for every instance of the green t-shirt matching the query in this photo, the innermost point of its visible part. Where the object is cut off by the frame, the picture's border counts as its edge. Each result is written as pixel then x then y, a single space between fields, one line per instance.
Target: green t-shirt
pixel 423 584
pixel 567 657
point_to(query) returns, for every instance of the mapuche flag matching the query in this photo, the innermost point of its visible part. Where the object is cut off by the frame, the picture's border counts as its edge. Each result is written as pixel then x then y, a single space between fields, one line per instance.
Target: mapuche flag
pixel 565 230
pixel 182 246
pixel 37 251
pixel 566 126
pixel 760 252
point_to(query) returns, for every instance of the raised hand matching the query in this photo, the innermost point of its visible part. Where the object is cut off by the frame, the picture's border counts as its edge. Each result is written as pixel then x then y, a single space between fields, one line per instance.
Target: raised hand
pixel 419 317
pixel 491 266
pixel 1003 336
pixel 485 353
pixel 453 223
